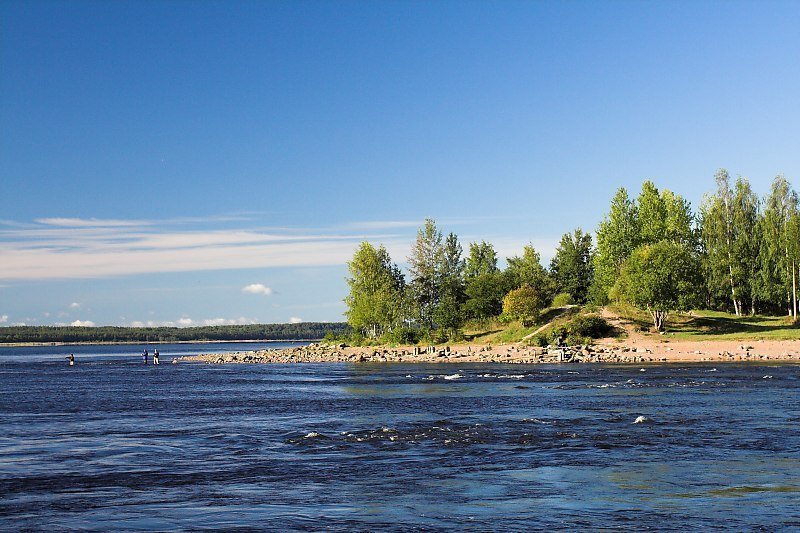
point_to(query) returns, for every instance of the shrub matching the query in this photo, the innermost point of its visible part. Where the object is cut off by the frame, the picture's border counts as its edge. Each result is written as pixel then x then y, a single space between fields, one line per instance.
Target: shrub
pixel 577 340
pixel 591 326
pixel 541 340
pixel 523 304
pixel 356 338
pixel 402 335
pixel 558 335
pixel 562 300
pixel 505 318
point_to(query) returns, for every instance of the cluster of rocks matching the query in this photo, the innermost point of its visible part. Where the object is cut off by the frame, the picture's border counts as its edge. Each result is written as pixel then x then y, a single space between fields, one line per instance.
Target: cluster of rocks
pixel 517 353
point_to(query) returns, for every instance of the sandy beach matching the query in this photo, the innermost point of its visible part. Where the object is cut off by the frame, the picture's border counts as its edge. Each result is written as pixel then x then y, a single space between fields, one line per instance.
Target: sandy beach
pixel 631 350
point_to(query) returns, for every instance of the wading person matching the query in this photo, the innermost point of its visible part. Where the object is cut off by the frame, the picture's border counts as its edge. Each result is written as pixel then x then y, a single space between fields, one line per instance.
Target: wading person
pixel 155 357
pixel 144 356
pixel 71 359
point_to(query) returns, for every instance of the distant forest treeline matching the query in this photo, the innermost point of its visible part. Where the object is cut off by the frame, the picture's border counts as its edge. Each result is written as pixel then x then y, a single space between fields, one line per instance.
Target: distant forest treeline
pixel 277 332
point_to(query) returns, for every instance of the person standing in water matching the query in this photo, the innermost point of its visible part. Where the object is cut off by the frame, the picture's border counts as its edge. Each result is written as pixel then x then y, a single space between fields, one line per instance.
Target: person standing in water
pixel 144 356
pixel 155 357
pixel 71 359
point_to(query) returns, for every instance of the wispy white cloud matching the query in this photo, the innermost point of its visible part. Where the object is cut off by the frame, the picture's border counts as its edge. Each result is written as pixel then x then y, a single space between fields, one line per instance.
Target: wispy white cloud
pixel 66 222
pixel 60 253
pixel 295 320
pixel 85 323
pixel 257 288
pixel 185 322
pixel 90 222
pixel 51 263
pixel 69 248
pixel 74 305
pixel 3 319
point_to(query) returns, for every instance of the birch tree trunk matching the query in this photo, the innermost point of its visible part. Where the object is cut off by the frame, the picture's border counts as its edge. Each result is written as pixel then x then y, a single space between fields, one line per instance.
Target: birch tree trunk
pixel 730 256
pixel 794 291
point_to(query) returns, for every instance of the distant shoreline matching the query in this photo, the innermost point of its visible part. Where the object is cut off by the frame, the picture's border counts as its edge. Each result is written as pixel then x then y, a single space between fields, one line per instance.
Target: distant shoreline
pixel 127 343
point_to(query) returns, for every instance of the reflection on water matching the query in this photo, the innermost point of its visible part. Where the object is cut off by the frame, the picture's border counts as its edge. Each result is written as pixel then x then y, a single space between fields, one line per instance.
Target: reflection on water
pixel 108 445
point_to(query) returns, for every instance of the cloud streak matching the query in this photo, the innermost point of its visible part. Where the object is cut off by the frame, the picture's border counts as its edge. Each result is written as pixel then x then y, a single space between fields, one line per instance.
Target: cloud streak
pixel 58 248
pixel 66 248
pixel 89 222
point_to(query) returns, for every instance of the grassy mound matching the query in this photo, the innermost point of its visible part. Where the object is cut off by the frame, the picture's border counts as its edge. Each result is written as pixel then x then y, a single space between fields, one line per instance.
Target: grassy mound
pixel 570 324
pixel 714 325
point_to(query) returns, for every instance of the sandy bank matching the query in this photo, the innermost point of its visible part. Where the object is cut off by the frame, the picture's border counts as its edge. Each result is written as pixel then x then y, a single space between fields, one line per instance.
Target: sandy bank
pixel 608 351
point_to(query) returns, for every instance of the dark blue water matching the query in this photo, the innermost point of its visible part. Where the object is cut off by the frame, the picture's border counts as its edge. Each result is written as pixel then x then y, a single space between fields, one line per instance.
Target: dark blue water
pixel 130 352
pixel 111 444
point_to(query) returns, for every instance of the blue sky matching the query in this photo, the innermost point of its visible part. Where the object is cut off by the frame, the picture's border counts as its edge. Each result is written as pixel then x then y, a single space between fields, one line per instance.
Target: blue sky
pixel 157 158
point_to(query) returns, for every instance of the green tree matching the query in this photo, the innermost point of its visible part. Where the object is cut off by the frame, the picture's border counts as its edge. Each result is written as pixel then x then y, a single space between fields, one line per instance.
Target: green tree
pixel 661 278
pixel 524 304
pixel 651 215
pixel 484 283
pixel 425 267
pixel 720 234
pixel 776 266
pixel 745 243
pixel 375 300
pixel 482 260
pixel 680 220
pixel 449 314
pixel 571 267
pixel 793 250
pixel 617 237
pixel 528 270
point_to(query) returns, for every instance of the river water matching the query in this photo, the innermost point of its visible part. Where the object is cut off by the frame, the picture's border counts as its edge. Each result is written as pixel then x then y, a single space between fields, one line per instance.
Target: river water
pixel 112 444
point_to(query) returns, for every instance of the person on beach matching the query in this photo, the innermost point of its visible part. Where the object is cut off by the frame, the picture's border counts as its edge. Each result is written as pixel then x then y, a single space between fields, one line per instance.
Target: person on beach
pixel 71 359
pixel 144 356
pixel 155 357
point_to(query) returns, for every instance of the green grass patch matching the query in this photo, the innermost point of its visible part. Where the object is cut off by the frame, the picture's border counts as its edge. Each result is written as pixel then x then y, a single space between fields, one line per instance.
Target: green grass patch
pixel 715 325
pixel 551 321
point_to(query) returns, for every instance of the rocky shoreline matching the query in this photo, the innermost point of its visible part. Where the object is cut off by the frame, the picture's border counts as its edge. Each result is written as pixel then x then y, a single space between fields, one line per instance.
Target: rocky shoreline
pixel 506 353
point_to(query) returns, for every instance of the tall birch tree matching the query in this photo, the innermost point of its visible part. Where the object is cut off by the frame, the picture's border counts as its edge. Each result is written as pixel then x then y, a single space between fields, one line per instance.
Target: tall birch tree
pixel 777 262
pixel 425 268
pixel 718 236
